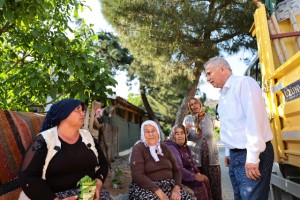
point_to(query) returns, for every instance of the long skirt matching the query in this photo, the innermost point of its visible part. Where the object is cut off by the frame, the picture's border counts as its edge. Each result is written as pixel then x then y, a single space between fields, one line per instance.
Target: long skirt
pixel 201 189
pixel 213 172
pixel 138 193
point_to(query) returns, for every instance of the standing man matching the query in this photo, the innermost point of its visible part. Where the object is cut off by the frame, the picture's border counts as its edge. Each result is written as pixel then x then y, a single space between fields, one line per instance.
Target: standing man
pixel 245 130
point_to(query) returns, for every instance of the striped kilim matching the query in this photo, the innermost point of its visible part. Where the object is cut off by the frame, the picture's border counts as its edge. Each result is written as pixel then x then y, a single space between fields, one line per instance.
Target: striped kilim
pixel 17 129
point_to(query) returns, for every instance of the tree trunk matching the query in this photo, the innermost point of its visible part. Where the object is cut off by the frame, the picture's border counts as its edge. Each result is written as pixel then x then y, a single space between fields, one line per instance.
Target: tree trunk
pixel 150 112
pixel 191 91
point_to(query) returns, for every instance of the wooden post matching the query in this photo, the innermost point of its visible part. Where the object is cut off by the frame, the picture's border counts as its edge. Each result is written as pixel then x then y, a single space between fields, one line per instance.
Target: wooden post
pixel 276 43
pixel 281 41
pixel 295 26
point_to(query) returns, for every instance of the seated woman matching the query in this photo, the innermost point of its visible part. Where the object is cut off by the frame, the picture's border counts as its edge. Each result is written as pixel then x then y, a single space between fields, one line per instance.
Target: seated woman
pixel 191 176
pixel 155 174
pixel 61 155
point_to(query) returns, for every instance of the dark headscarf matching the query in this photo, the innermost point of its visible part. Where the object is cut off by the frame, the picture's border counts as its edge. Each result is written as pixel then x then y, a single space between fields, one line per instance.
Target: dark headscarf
pixel 60 111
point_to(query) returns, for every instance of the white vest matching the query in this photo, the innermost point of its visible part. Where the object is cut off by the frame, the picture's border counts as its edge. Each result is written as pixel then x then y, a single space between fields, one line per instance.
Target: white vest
pixel 52 141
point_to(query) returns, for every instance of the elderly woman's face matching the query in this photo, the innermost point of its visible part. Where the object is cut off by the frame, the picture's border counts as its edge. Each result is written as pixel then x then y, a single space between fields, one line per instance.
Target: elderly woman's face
pixel 195 106
pixel 151 135
pixel 179 136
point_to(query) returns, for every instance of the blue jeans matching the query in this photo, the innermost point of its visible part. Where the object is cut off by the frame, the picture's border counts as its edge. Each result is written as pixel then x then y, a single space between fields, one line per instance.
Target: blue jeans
pixel 245 188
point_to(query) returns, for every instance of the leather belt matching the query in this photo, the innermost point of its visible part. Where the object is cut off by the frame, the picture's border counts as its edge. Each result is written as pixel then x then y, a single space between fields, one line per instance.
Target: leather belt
pixel 238 150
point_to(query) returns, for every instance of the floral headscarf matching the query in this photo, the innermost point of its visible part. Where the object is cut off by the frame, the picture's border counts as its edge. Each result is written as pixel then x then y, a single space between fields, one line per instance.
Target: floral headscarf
pixel 154 150
pixel 197 118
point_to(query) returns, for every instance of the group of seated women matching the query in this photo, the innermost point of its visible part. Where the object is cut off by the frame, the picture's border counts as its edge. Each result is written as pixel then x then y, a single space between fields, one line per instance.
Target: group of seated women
pixel 159 170
pixel 63 153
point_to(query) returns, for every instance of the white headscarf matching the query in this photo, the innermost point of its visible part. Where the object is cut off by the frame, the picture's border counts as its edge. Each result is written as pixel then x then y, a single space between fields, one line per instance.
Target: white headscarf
pixel 154 150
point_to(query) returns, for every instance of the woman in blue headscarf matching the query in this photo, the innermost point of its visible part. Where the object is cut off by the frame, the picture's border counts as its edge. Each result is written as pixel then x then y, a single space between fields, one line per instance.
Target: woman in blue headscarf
pixel 61 155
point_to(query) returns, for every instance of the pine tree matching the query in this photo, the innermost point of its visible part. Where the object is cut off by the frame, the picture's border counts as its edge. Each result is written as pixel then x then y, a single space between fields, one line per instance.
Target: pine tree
pixel 172 39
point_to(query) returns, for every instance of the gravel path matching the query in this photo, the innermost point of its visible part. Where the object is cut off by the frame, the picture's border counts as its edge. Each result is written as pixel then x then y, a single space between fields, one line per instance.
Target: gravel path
pixel 120 193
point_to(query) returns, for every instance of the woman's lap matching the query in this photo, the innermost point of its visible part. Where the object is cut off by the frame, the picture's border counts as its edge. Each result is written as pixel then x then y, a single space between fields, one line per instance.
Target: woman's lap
pixel 135 192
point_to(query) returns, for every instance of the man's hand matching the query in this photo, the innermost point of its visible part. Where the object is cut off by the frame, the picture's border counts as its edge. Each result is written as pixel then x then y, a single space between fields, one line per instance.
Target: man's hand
pixel 252 171
pixel 227 161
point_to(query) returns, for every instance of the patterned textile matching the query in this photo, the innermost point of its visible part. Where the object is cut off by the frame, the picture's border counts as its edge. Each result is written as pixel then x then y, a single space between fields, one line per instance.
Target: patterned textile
pixel 9 186
pixel 213 172
pixel 17 129
pixel 104 195
pixel 137 193
pixel 245 188
pixel 203 192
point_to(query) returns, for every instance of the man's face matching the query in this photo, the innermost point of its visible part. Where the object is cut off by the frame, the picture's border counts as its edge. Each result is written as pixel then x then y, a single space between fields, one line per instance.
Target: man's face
pixel 214 75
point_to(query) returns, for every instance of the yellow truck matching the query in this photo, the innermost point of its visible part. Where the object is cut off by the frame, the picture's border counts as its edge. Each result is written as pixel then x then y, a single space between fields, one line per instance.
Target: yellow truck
pixel 277 69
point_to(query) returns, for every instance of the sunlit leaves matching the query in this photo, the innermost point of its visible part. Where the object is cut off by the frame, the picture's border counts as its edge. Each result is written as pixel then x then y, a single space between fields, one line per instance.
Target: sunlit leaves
pixel 39 59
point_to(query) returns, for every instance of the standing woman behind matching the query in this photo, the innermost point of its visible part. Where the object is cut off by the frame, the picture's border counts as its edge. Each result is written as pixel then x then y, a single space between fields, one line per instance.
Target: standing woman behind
pixel 155 174
pixel 61 155
pixel 200 128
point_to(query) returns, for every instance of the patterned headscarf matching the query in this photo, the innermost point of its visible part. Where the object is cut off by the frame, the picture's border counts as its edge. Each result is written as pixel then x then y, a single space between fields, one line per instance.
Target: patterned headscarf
pixel 197 118
pixel 154 150
pixel 60 111
pixel 173 132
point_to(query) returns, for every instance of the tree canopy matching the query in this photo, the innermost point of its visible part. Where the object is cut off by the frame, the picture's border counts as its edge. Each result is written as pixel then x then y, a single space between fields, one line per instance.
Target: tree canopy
pixel 171 40
pixel 42 55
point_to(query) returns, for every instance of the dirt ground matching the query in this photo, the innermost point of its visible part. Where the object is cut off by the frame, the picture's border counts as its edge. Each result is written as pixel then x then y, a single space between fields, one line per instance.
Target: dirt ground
pixel 121 163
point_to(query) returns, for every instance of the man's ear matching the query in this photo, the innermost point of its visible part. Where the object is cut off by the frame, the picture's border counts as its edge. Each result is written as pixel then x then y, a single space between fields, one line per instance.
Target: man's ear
pixel 222 68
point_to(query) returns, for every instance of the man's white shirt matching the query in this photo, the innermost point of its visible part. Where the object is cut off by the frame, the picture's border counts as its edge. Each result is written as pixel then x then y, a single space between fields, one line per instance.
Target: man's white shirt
pixel 243 117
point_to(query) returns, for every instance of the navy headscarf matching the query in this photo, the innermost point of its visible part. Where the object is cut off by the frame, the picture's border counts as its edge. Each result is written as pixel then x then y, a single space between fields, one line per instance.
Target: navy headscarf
pixel 60 111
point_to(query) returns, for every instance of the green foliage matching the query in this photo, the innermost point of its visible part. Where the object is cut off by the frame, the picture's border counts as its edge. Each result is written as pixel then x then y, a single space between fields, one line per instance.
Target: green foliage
pixel 210 111
pixel 117 174
pixel 87 188
pixel 170 40
pixel 217 133
pixel 116 57
pixel 41 55
pixel 135 99
pixel 85 180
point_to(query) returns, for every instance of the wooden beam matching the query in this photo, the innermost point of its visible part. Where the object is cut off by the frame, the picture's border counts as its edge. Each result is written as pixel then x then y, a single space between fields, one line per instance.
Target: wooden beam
pixel 284 35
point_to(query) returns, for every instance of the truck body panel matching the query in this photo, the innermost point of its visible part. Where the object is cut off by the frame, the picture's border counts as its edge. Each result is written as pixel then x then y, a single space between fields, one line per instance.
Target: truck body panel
pixel 278 42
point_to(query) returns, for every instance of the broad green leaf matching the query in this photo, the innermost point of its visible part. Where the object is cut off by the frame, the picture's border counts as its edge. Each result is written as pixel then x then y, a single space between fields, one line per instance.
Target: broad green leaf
pixel 2 3
pixel 43 49
pixel 17 90
pixel 8 15
pixel 80 75
pixel 78 62
pixel 33 83
pixel 98 85
pixel 63 60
